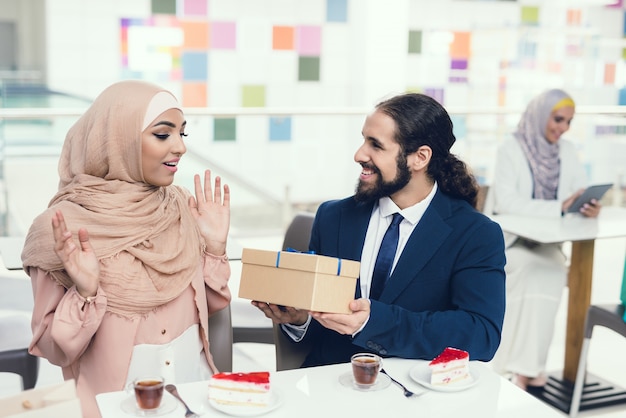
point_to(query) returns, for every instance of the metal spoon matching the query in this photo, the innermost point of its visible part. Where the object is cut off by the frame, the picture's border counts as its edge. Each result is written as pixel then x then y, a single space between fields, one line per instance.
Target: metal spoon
pixel 189 413
pixel 407 392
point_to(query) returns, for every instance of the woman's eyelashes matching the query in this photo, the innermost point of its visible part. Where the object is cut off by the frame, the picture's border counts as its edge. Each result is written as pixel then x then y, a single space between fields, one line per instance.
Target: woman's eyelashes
pixel 559 119
pixel 167 135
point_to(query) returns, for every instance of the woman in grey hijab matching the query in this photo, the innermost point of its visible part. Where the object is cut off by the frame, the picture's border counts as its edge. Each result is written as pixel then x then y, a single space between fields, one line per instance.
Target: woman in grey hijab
pixel 537 174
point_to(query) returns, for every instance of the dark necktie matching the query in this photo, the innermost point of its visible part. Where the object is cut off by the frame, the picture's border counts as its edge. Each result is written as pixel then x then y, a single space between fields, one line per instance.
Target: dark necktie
pixel 386 254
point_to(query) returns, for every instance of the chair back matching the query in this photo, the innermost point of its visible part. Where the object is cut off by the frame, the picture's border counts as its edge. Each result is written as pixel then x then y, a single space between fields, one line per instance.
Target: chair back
pixel 22 363
pixel 221 339
pixel 298 232
pixel 485 201
pixel 290 355
pixel 15 335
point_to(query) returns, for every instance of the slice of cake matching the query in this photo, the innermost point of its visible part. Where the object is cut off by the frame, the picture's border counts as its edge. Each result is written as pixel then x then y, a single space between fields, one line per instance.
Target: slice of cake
pixel 240 389
pixel 449 367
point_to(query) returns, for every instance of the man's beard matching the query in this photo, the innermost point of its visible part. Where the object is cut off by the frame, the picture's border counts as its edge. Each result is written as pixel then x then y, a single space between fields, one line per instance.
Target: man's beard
pixel 383 188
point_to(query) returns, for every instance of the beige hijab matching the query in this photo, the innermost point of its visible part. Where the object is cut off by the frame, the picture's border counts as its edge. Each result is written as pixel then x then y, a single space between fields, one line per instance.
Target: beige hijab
pixel 102 189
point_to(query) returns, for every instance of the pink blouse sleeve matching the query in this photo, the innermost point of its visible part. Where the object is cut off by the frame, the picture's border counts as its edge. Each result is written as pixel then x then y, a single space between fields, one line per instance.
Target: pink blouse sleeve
pixel 216 272
pixel 63 321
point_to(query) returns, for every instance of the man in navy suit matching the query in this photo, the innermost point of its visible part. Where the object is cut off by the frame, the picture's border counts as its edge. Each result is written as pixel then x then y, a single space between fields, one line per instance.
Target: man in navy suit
pixel 447 283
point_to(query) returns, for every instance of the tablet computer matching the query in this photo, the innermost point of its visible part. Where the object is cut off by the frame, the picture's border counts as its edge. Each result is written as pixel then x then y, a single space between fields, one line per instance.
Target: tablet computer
pixel 592 192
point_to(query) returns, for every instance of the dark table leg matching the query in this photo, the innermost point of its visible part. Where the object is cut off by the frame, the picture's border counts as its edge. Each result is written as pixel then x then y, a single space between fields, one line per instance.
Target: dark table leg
pixel 597 392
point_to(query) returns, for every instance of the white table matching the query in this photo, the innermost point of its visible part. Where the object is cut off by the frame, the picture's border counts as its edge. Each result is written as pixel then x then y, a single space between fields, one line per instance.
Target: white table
pixel 316 392
pixel 582 232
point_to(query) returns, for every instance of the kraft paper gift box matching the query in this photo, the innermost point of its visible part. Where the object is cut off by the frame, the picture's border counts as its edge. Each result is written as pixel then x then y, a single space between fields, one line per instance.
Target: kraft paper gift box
pixel 45 402
pixel 302 280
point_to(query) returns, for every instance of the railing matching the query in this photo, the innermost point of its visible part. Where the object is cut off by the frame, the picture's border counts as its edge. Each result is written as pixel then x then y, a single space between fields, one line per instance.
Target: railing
pixel 21 76
pixel 45 113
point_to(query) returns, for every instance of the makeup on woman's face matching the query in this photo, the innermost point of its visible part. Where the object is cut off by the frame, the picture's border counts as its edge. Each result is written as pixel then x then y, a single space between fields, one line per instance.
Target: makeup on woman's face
pixel 558 123
pixel 162 146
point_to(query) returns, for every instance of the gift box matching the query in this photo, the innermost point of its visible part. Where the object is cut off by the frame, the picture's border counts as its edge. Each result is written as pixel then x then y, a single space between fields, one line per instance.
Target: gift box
pixel 302 280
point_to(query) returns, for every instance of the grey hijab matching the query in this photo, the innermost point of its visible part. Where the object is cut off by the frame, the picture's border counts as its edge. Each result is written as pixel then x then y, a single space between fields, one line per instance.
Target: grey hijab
pixel 542 156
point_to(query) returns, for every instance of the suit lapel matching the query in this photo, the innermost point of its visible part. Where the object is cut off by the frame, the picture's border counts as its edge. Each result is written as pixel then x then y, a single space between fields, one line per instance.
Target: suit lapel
pixel 353 227
pixel 427 237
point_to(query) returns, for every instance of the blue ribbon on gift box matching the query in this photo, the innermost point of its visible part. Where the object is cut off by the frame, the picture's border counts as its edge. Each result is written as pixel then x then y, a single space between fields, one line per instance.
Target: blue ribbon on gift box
pixel 293 250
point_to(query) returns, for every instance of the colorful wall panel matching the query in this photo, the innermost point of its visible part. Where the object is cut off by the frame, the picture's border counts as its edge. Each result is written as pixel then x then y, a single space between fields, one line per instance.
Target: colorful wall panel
pixel 337 11
pixel 280 129
pixel 225 129
pixel 247 54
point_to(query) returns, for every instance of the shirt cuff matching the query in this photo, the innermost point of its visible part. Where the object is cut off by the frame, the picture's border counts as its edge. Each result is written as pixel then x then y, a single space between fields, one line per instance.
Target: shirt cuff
pixel 296 332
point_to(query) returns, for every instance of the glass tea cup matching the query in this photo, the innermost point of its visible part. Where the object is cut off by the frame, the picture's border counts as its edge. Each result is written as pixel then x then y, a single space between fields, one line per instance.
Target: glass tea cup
pixel 365 367
pixel 148 392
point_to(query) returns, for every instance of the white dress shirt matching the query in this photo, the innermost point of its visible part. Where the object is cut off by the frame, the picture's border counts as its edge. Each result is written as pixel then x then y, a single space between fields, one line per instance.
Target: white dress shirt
pixel 379 222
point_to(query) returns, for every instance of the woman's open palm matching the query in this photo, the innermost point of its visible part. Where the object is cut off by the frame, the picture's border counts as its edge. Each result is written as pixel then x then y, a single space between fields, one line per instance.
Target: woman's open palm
pixel 80 262
pixel 211 209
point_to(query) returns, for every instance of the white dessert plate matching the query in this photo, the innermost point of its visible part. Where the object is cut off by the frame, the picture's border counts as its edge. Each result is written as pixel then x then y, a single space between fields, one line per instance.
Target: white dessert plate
pixel 168 404
pixel 421 374
pixel 382 381
pixel 276 400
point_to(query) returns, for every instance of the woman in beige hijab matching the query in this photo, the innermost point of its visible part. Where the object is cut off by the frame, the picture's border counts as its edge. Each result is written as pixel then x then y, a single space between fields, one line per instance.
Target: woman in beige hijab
pixel 126 267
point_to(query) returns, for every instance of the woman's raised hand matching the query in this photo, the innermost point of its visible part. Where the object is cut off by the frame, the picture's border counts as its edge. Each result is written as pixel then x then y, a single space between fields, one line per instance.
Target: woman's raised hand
pixel 80 262
pixel 211 209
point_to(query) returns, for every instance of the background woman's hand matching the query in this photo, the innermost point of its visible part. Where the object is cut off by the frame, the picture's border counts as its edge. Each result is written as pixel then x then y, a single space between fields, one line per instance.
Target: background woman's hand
pixel 590 209
pixel 211 209
pixel 570 200
pixel 80 262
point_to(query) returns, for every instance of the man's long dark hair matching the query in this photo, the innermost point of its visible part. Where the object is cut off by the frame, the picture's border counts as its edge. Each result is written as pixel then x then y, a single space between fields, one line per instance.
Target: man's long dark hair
pixel 421 120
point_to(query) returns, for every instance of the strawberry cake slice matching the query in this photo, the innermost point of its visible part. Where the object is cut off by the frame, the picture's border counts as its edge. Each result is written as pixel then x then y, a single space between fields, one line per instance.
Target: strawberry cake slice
pixel 449 367
pixel 240 389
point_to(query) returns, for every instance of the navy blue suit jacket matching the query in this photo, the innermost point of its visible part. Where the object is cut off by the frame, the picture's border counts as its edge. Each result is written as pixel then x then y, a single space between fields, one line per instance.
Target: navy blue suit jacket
pixel 447 289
